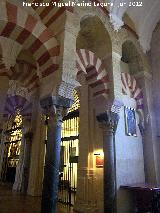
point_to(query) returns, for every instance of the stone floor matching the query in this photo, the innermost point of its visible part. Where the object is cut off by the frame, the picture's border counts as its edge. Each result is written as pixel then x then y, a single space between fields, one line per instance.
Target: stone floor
pixel 13 202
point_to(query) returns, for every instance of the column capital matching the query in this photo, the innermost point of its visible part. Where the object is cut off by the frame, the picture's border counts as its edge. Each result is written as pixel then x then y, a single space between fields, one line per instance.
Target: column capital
pixel 55 107
pixel 108 121
pixel 57 101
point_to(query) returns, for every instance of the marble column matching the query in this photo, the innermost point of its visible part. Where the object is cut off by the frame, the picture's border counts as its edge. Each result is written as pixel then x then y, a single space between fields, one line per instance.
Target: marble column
pixel 27 155
pixel 55 108
pixel 108 123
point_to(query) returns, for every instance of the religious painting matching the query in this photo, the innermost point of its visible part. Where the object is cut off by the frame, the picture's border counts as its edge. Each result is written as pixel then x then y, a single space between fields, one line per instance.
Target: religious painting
pixel 99 161
pixel 130 121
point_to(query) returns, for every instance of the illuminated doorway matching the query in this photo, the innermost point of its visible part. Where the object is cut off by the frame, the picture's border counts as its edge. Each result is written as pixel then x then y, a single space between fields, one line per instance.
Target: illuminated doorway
pixel 12 142
pixel 69 154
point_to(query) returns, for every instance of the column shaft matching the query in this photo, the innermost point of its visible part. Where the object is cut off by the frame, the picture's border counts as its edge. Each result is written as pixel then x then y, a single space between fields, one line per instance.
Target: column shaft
pixel 52 162
pixel 55 107
pixel 108 122
pixel 27 156
pixel 109 172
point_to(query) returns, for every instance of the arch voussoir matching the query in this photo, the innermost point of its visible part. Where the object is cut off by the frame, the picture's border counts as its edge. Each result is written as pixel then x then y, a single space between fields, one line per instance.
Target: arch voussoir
pixel 96 75
pixel 32 34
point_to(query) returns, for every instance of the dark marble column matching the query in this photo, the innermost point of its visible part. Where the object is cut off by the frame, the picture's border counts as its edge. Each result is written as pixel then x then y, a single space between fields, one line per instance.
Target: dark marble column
pixel 27 155
pixel 108 123
pixel 55 108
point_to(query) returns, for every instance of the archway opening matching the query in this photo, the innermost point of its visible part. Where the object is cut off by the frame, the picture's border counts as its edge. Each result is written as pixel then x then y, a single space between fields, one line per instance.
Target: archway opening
pixel 131 58
pixel 12 143
pixel 94 44
pixel 25 72
pixel 94 50
pixel 69 154
pixel 93 36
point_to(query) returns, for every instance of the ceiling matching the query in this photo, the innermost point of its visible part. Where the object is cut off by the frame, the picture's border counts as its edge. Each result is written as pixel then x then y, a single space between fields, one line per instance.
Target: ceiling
pixel 145 17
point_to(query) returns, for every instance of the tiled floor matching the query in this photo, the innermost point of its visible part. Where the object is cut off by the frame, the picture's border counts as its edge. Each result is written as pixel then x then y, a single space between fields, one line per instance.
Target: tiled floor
pixel 13 202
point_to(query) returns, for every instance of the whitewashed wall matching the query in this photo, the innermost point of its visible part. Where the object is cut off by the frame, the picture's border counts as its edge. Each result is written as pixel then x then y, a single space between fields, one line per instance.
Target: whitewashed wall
pixel 129 157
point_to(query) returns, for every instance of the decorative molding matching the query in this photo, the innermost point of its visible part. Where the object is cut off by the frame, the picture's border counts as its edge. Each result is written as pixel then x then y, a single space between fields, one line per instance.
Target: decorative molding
pixel 66 90
pixel 16 89
pixel 56 101
pixel 108 121
pixel 67 86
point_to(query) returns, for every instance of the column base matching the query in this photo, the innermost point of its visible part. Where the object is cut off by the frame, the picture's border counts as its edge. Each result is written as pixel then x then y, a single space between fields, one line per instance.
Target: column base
pixel 86 198
pixel 34 191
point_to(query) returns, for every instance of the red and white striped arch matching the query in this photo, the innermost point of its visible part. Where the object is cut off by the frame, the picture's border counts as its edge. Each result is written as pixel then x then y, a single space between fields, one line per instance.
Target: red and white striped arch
pixel 17 102
pixel 26 74
pixel 23 72
pixel 96 74
pixel 130 88
pixel 50 14
pixel 17 24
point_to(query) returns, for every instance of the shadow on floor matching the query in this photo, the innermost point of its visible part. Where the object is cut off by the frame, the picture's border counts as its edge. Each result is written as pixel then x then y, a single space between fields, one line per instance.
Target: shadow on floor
pixel 15 202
